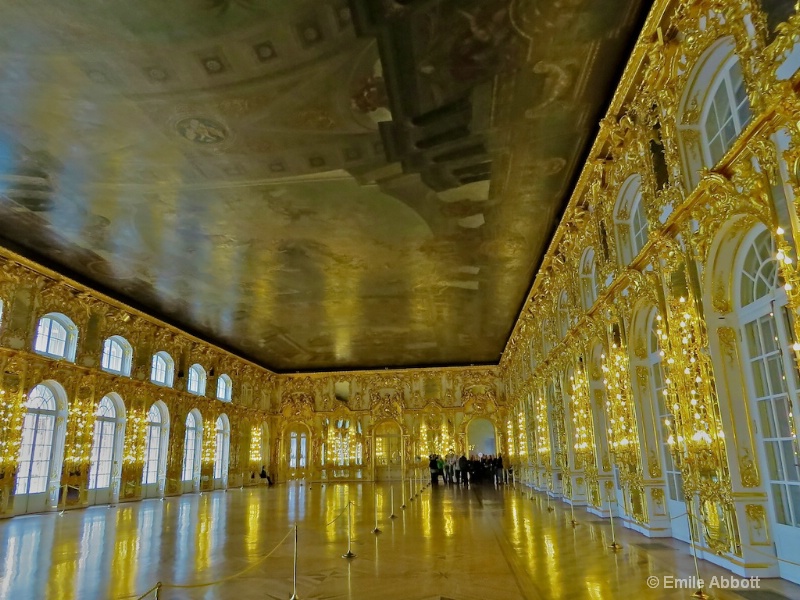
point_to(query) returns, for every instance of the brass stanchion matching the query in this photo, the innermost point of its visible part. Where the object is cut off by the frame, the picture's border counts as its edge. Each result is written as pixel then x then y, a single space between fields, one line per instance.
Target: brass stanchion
pixel 294 568
pixel 157 593
pixel 613 545
pixel 375 502
pixel 402 494
pixel 410 490
pixel 391 500
pixel 349 553
pixel 572 522
pixel 701 593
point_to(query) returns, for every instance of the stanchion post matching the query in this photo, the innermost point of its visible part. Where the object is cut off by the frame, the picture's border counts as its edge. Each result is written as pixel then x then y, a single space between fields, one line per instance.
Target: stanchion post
pixel 294 568
pixel 613 545
pixel 402 494
pixel 411 490
pixel 157 593
pixel 375 502
pixel 349 553
pixel 700 594
pixel 572 522
pixel 391 503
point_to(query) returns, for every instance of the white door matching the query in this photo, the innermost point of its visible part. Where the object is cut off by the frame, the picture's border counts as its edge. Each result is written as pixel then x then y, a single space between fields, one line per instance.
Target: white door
pixel 103 455
pixel 152 455
pixel 37 466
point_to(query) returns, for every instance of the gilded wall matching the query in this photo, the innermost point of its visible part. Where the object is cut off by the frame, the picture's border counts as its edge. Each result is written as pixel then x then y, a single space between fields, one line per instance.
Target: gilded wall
pixel 427 409
pixel 631 369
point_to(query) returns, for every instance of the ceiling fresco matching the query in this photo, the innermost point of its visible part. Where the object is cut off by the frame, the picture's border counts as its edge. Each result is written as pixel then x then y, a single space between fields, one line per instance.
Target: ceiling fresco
pixel 312 185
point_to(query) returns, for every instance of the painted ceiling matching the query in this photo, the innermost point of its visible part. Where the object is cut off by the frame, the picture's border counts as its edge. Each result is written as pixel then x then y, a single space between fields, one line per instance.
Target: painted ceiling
pixel 248 169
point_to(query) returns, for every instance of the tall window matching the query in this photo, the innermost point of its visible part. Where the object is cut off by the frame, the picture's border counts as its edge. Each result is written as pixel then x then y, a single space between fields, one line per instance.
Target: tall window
pixel 224 388
pixel 105 429
pixel 222 436
pixel 56 336
pixel 197 380
pixel 117 354
pixel 191 446
pixel 162 369
pixel 728 112
pixel 630 220
pixel 772 375
pixel 588 279
pixel 658 389
pixel 37 447
pixel 152 453
pixel 297 450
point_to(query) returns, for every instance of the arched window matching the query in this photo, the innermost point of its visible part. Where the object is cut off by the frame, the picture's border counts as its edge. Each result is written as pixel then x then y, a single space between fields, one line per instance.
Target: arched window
pixel 771 373
pixel 56 337
pixel 41 450
pixel 197 380
pixel 588 278
pixel 727 112
pixel 162 370
pixel 224 388
pixel 155 454
pixel 221 448
pixel 107 443
pixel 37 441
pixel 117 355
pixel 563 314
pixel 192 445
pixel 714 108
pixel 630 220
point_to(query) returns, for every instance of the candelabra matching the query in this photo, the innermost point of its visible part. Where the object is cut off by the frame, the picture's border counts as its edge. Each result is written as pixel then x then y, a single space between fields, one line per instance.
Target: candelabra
pixel 622 430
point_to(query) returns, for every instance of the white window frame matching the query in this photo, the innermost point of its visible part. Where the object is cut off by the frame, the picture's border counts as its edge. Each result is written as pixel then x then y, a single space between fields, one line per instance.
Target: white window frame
pixel 630 221
pixel 125 355
pixel 168 369
pixel 192 445
pixel 44 342
pixel 105 444
pixel 196 380
pixel 224 388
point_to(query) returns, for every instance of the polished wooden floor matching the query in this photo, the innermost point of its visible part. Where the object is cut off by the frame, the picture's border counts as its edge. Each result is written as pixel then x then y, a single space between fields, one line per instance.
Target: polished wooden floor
pixel 453 543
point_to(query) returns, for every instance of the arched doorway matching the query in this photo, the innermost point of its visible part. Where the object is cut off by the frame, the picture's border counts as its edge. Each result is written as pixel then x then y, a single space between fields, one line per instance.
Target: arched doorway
pixel 154 470
pixel 296 450
pixel 222 441
pixel 772 383
pixel 192 452
pixel 106 461
pixel 41 452
pixel 388 451
pixel 481 437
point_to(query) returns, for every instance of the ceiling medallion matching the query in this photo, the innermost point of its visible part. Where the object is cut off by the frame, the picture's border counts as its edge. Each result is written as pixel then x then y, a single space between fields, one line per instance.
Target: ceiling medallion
pixel 202 130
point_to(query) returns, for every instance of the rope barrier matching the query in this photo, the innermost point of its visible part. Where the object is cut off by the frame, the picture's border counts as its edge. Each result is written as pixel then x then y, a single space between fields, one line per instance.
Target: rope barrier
pixel 160 586
pixel 339 515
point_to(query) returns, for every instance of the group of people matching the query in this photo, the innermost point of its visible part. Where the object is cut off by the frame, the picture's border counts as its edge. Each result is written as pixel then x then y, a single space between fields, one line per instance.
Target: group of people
pixel 462 470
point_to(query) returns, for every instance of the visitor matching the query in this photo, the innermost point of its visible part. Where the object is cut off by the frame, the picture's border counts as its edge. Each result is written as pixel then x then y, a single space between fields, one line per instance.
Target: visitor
pixel 439 468
pixel 432 467
pixel 498 468
pixel 264 475
pixel 463 469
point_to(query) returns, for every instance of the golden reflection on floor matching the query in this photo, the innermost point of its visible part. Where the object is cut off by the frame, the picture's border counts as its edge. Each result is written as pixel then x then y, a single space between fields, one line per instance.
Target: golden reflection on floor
pixel 455 543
